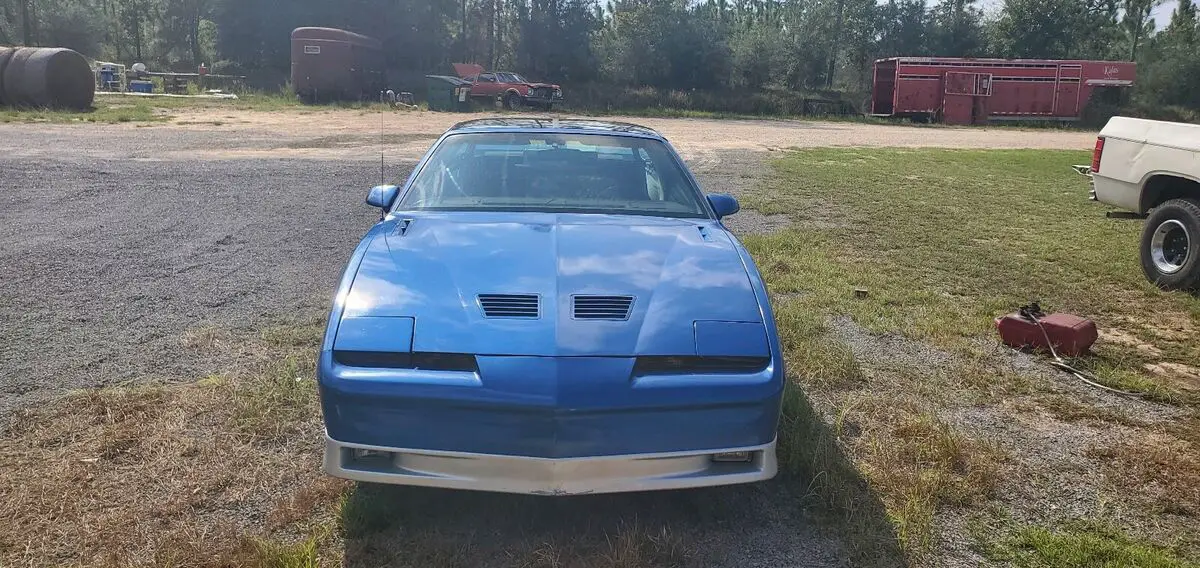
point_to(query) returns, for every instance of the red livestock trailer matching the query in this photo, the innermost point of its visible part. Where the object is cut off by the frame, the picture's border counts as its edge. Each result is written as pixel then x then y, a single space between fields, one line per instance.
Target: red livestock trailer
pixel 974 91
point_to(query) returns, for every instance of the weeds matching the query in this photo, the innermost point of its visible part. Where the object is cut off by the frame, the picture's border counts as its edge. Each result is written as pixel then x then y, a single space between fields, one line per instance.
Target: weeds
pixel 303 554
pixel 276 406
pixel 103 113
pixel 1076 545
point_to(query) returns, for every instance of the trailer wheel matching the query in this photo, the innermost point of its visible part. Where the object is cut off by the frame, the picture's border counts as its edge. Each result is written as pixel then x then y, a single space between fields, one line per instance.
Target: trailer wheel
pixel 1171 245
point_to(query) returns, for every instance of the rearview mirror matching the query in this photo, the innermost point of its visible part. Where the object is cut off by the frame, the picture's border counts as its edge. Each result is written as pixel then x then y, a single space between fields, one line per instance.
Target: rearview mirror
pixel 723 205
pixel 382 196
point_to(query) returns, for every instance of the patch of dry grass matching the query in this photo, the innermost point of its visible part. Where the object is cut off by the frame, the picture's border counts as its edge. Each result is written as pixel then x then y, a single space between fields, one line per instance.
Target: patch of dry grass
pixel 206 474
pixel 919 465
pixel 870 448
pixel 1162 469
pixel 226 471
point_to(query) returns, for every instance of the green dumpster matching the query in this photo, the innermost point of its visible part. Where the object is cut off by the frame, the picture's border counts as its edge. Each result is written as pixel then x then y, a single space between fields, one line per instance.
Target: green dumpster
pixel 448 93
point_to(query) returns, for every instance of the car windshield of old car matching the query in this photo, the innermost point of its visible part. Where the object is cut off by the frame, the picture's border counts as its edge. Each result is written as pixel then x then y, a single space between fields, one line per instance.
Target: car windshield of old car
pixel 554 172
pixel 514 78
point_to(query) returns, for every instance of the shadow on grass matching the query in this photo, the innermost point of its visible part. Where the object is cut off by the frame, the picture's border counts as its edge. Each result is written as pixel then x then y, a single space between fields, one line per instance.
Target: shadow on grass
pixel 818 512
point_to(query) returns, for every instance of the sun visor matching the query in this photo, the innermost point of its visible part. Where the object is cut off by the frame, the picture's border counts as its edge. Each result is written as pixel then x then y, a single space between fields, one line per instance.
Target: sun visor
pixel 377 334
pixel 731 339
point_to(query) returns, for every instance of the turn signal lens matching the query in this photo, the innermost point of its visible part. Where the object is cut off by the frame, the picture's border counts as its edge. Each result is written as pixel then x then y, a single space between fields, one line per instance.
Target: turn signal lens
pixel 361 454
pixel 731 457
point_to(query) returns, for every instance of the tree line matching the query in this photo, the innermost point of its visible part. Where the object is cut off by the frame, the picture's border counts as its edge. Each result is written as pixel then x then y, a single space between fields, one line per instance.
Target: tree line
pixel 719 46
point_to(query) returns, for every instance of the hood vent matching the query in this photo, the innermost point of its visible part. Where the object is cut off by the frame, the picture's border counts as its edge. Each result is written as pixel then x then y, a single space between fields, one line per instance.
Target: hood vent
pixel 509 305
pixel 601 307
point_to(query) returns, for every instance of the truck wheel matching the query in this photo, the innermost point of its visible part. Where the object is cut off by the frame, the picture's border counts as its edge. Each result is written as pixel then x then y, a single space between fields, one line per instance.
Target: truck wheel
pixel 1171 245
pixel 512 101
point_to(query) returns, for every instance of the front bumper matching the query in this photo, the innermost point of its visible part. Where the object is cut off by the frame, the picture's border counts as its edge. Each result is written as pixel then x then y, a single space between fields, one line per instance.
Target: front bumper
pixel 547 407
pixel 547 476
pixel 531 100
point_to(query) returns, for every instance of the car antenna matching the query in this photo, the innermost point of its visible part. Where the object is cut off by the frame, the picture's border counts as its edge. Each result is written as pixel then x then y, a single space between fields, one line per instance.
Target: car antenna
pixel 382 149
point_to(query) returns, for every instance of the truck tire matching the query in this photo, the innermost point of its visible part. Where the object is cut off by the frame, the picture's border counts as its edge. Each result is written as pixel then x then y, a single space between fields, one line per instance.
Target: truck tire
pixel 512 101
pixel 1171 245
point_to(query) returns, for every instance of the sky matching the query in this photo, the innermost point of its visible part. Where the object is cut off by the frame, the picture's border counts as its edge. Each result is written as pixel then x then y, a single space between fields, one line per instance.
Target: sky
pixel 1162 13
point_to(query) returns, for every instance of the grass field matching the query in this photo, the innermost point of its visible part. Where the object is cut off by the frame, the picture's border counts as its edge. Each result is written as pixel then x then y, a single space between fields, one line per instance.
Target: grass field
pixel 112 109
pixel 907 431
pixel 944 241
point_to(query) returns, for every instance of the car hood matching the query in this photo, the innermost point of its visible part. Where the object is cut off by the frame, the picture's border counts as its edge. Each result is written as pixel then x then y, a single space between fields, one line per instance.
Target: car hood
pixel 432 267
pixel 466 70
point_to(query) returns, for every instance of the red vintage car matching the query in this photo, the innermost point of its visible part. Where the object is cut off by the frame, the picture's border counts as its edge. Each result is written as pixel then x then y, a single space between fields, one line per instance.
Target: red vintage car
pixel 509 88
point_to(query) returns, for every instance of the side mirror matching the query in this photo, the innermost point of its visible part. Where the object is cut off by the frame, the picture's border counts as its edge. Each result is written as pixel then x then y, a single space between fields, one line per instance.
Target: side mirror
pixel 382 196
pixel 723 205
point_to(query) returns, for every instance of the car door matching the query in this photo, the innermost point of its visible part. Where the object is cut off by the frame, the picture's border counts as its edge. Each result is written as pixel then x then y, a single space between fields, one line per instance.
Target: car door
pixel 486 85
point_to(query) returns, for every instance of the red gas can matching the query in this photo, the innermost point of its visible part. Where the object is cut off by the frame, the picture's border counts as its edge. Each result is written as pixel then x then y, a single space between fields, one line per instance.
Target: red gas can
pixel 1071 335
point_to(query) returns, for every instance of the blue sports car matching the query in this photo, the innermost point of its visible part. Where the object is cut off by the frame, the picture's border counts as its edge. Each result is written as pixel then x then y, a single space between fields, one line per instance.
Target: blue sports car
pixel 551 307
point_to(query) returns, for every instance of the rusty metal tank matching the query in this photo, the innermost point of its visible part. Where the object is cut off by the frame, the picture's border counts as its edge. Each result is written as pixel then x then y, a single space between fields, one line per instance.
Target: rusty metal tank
pixel 6 54
pixel 330 64
pixel 46 77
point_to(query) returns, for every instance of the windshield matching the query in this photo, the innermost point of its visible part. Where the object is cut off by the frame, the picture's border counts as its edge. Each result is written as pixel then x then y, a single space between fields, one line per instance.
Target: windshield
pixel 563 173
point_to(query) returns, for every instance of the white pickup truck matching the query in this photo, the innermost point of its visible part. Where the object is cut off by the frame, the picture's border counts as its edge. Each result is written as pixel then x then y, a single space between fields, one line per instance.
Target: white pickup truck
pixel 1152 169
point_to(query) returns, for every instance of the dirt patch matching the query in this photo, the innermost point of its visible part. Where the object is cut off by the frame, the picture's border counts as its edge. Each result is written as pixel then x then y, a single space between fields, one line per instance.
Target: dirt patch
pixel 1129 340
pixel 1164 325
pixel 1182 376
pixel 256 134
